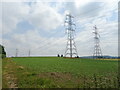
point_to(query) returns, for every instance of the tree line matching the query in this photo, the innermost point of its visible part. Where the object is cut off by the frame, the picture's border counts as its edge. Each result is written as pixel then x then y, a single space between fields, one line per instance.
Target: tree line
pixel 2 52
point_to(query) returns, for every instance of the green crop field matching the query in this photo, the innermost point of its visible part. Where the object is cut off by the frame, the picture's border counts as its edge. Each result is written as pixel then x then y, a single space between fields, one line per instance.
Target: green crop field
pixel 51 72
pixel 74 66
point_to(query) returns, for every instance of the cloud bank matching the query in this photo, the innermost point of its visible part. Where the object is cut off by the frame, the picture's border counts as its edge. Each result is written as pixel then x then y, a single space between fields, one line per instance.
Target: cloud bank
pixel 39 27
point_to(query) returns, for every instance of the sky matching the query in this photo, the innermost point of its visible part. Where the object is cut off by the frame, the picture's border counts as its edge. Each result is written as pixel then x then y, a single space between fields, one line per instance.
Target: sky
pixel 38 26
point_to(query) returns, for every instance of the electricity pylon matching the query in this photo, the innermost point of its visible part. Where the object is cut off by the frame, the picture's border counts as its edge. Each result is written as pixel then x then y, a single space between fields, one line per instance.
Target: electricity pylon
pixel 97 50
pixel 70 30
pixel 16 54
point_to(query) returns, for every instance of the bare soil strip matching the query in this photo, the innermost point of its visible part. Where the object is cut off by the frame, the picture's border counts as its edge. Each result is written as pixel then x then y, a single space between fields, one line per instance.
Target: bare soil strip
pixel 8 74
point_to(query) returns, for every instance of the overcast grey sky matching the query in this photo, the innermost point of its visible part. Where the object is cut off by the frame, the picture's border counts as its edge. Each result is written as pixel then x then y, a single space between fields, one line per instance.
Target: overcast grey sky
pixel 39 26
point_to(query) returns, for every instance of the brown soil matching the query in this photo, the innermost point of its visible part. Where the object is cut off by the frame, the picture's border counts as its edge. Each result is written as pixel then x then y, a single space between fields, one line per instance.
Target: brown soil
pixel 8 75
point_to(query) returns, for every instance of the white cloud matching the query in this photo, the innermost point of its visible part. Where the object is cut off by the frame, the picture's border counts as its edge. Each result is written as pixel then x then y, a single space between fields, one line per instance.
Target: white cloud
pixel 109 37
pixel 40 15
pixel 0 22
pixel 13 13
pixel 33 41
pixel 44 17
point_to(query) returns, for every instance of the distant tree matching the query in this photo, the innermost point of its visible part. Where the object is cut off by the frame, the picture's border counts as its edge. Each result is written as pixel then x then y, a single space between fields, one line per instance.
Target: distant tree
pixel 61 55
pixel 58 55
pixel 2 52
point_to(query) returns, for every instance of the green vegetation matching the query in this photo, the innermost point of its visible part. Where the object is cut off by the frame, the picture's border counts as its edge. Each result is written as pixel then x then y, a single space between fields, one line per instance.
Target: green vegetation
pixel 2 55
pixel 2 52
pixel 0 73
pixel 74 66
pixel 52 72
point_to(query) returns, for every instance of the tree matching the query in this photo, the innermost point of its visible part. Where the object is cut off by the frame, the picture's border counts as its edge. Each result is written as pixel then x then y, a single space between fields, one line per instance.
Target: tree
pixel 58 55
pixel 61 55
pixel 2 52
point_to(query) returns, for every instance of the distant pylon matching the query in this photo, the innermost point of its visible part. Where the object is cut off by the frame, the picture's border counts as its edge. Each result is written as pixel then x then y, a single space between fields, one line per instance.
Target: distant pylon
pixel 70 29
pixel 16 53
pixel 97 50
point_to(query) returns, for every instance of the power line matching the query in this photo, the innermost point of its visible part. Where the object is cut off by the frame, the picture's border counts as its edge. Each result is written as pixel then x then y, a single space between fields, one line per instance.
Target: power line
pixel 45 42
pixel 48 42
pixel 95 9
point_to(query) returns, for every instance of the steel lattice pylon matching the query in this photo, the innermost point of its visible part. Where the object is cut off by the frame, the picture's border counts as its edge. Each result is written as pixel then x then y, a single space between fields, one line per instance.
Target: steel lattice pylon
pixel 70 29
pixel 97 50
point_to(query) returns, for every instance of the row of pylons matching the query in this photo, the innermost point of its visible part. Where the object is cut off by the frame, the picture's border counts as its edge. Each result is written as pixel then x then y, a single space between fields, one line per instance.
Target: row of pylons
pixel 71 50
